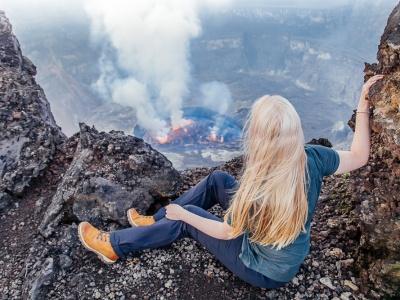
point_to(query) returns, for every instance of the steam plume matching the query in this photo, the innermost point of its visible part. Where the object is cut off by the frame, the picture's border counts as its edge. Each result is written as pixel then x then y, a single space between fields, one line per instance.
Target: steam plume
pixel 216 95
pixel 151 39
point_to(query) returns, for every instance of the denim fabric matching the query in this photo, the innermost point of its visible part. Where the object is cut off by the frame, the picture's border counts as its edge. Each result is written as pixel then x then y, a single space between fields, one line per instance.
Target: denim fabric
pixel 216 188
pixel 259 265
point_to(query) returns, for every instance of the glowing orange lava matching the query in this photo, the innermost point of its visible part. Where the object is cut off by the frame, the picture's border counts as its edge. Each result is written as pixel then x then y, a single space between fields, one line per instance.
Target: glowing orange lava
pixel 163 139
pixel 213 137
pixel 182 124
pixel 175 131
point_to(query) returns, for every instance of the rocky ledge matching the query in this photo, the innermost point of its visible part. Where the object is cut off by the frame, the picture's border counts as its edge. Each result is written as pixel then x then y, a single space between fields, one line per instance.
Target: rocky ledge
pixel 377 186
pixel 28 133
pixel 49 183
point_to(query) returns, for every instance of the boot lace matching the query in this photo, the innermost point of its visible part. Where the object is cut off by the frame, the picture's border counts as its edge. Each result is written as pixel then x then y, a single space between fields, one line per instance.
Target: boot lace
pixel 103 236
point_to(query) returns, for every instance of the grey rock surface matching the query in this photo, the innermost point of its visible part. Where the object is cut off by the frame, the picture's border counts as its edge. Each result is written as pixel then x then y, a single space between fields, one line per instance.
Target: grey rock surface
pixel 110 173
pixel 29 134
pixel 5 200
pixel 43 278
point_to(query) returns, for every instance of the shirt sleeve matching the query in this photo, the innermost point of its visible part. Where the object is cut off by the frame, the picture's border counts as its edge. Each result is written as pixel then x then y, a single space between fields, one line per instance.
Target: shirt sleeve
pixel 327 159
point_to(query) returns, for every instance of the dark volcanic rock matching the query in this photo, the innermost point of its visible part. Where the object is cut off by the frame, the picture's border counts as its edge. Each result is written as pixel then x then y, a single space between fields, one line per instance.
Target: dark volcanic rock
pixel 28 133
pixel 37 285
pixel 5 200
pixel 321 141
pixel 96 176
pixel 110 173
pixel 377 186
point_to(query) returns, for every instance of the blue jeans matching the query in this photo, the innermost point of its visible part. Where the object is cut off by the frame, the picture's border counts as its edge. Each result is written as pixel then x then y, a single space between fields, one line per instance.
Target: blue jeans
pixel 216 188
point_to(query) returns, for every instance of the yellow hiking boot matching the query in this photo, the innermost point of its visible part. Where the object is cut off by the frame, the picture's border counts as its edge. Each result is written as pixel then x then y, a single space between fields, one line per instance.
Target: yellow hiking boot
pixel 97 241
pixel 136 219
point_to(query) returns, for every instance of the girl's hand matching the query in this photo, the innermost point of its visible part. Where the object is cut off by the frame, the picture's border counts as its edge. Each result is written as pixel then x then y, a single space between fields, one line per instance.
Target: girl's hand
pixel 363 104
pixel 175 212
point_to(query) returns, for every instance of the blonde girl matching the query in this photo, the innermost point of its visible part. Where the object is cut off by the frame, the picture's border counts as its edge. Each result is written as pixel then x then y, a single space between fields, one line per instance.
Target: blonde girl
pixel 265 234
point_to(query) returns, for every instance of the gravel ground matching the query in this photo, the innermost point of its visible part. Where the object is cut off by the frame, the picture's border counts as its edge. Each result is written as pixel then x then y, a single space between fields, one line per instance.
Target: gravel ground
pixel 182 271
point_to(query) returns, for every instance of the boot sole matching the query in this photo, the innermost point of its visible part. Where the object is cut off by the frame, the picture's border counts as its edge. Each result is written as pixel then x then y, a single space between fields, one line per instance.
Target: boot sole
pixel 130 221
pixel 102 257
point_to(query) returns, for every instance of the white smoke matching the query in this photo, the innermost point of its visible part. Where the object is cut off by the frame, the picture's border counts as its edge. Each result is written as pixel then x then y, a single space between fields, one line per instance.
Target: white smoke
pixel 216 96
pixel 151 39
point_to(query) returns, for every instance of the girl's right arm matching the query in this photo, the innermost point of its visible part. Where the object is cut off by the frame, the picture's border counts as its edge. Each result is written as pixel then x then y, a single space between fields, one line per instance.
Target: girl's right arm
pixel 360 147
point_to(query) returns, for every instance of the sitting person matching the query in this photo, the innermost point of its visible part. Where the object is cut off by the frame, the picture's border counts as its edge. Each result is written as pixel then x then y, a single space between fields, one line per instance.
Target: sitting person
pixel 265 234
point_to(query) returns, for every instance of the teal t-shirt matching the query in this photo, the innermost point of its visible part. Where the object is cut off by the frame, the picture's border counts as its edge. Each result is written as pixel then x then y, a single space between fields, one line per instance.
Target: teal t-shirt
pixel 282 265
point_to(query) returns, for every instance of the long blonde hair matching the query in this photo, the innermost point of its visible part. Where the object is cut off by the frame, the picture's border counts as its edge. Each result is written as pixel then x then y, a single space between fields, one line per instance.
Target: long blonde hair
pixel 271 200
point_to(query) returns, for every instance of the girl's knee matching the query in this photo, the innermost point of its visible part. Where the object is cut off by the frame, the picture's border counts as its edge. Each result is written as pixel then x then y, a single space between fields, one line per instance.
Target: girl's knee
pixel 193 209
pixel 202 212
pixel 219 174
pixel 223 179
pixel 220 177
pixel 199 211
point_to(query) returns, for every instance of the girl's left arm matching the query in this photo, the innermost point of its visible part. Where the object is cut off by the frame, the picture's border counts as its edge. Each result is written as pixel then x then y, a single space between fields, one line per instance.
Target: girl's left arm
pixel 360 146
pixel 213 228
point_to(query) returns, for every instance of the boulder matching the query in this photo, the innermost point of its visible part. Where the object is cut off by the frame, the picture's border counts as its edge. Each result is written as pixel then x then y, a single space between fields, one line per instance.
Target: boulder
pixel 110 173
pixel 29 134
